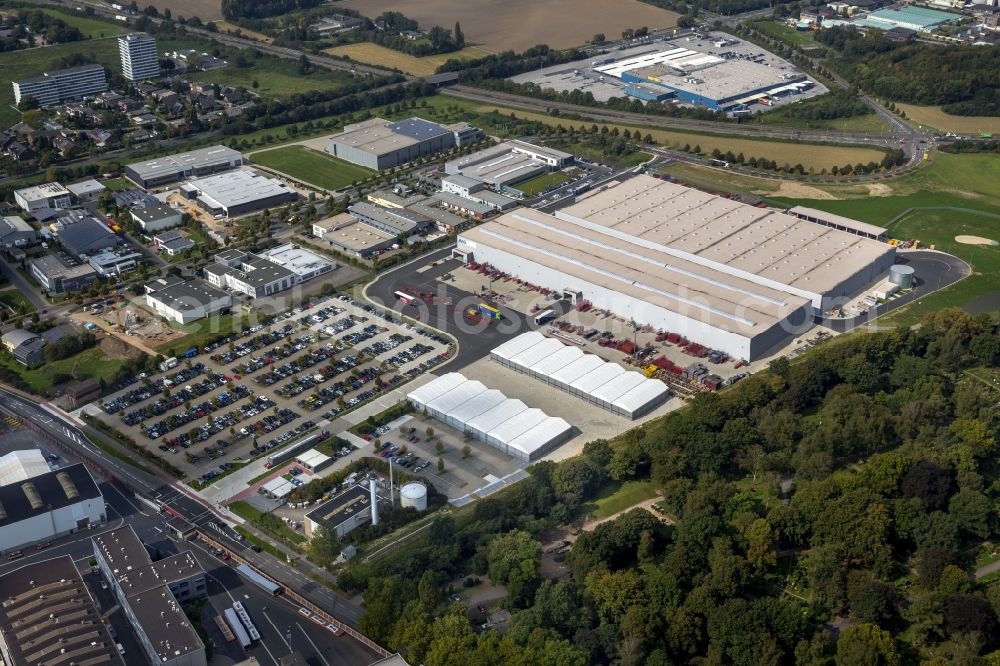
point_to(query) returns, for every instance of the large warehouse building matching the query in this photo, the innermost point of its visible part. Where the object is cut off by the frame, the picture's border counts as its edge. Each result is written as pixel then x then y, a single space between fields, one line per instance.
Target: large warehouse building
pixel 379 144
pixel 608 385
pixel 706 79
pixel 727 275
pixel 507 163
pixel 504 423
pixel 38 504
pixel 172 168
pixel 238 192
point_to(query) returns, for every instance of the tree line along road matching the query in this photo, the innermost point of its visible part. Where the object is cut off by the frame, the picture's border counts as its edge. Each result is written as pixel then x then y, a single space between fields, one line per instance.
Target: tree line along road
pixel 665 122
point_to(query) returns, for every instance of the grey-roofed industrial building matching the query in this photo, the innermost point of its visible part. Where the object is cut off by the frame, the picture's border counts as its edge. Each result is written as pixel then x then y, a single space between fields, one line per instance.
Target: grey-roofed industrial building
pixel 238 193
pixel 110 263
pixel 44 506
pixel 86 190
pixel 398 221
pixel 173 242
pixel 172 168
pixel 87 236
pixel 507 163
pixel 347 234
pixel 343 513
pixel 249 274
pixel 471 207
pixel 15 232
pixel 56 277
pixel 150 593
pixel 48 613
pixel 184 301
pixel 46 195
pixel 156 218
pixel 380 144
pixel 305 264
pixel 727 275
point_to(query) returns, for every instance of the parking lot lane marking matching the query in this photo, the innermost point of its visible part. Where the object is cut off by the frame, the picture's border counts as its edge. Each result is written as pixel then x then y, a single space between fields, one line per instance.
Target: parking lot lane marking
pixel 316 649
pixel 280 635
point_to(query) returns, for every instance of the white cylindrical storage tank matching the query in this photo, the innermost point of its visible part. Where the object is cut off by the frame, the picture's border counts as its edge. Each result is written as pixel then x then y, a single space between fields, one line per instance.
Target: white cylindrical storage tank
pixel 413 494
pixel 901 276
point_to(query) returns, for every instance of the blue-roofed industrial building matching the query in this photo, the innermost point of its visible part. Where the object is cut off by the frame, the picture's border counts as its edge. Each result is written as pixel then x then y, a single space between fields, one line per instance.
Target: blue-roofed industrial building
pixel 379 144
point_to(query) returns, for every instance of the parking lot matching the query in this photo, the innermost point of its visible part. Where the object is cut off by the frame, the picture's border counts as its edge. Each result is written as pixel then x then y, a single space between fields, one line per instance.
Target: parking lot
pixel 258 391
pixel 416 449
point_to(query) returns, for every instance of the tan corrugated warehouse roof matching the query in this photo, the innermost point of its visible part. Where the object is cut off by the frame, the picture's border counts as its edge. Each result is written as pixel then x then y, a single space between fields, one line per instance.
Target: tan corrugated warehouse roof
pixel 760 241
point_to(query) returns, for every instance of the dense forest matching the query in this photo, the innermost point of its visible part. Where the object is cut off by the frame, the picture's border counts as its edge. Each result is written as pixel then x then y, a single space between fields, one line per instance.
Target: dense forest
pixel 963 78
pixel 825 511
pixel 255 9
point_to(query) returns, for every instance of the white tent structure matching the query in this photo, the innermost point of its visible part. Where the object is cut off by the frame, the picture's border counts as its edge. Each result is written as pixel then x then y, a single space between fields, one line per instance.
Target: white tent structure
pixel 490 416
pixel 608 385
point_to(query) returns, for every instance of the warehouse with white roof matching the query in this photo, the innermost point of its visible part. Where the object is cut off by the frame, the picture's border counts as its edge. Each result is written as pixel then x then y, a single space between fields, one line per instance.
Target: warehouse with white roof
pixel 489 416
pixel 724 274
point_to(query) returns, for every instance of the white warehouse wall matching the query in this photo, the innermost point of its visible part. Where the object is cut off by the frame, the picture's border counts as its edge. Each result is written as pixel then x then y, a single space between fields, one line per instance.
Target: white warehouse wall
pixel 735 344
pixel 51 524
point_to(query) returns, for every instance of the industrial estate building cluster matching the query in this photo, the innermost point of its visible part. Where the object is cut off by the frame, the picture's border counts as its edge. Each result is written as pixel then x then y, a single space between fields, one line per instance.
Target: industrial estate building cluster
pixel 48 615
pixel 716 71
pixel 731 276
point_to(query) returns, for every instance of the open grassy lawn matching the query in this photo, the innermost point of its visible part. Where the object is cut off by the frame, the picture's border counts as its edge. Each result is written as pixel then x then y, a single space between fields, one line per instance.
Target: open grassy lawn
pixel 274 77
pixel 373 54
pixel 871 122
pixel 616 497
pixel 32 62
pixel 533 186
pixel 12 299
pixel 92 363
pixel 199 332
pixel 933 116
pixel 311 166
pixel 91 28
pixel 786 33
pixel 814 156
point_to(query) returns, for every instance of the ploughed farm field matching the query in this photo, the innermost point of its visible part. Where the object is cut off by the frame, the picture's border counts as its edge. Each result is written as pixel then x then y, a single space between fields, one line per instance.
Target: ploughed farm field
pixel 520 24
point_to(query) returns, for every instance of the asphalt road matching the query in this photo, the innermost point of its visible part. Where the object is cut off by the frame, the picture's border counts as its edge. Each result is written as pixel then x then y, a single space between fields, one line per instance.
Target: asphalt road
pixel 608 115
pixel 932 271
pixel 474 340
pixel 70 437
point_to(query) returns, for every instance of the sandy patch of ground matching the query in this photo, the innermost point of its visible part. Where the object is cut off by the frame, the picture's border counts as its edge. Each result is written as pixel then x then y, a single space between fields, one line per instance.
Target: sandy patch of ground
pixel 975 240
pixel 117 349
pixel 879 190
pixel 792 190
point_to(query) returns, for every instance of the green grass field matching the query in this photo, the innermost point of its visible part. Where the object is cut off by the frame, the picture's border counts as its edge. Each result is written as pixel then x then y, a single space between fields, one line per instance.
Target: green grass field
pixel 275 80
pixel 311 166
pixel 868 123
pixel 533 186
pixel 617 497
pixel 786 33
pixel 92 363
pixel 32 62
pixel 91 28
pixel 12 299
